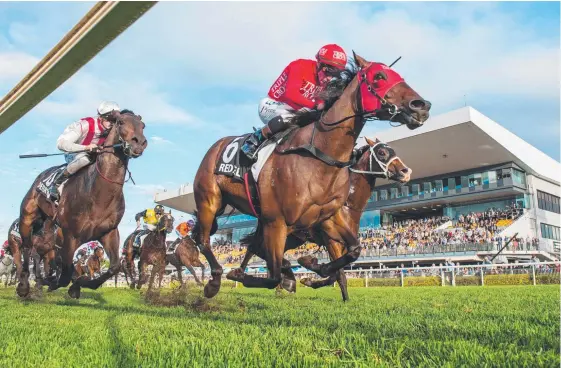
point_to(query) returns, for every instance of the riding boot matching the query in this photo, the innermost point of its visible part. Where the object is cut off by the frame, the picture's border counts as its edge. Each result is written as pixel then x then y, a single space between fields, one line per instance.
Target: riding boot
pixel 253 142
pixel 59 179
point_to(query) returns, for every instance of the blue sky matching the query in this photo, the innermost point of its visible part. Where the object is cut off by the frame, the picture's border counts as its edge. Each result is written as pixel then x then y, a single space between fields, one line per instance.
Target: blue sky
pixel 196 73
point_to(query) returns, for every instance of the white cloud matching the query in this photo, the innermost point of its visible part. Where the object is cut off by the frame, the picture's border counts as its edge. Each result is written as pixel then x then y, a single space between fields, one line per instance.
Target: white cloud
pixel 160 141
pixel 485 51
pixel 15 65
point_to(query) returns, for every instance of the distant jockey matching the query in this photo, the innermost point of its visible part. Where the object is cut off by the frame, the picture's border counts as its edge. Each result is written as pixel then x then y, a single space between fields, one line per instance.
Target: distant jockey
pixel 151 218
pixel 296 89
pixel 85 134
pixel 184 228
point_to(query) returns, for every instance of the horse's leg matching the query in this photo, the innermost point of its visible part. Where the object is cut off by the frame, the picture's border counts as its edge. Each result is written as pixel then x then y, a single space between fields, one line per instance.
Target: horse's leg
pixel 16 251
pixel 67 267
pixel 129 260
pixel 28 215
pixel 37 270
pixel 110 242
pixel 274 236
pixel 141 280
pixel 179 269
pixel 206 218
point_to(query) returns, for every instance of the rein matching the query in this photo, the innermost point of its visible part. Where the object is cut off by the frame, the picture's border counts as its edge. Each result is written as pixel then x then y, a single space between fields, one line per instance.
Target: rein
pixel 125 146
pixel 383 166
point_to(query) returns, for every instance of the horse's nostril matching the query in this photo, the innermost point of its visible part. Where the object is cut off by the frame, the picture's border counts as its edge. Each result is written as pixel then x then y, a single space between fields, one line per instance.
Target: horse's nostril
pixel 135 140
pixel 417 104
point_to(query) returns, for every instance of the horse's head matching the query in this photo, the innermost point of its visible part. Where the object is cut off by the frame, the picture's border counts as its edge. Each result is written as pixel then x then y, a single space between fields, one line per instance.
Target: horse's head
pixel 98 251
pixel 130 132
pixel 166 222
pixel 385 93
pixel 377 159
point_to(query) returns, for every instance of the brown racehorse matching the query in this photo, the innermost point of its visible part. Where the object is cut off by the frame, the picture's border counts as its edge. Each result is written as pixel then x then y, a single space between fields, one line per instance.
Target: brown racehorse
pixel 299 191
pixel 45 244
pixel 152 252
pixel 374 160
pixel 186 254
pixel 92 265
pixel 91 206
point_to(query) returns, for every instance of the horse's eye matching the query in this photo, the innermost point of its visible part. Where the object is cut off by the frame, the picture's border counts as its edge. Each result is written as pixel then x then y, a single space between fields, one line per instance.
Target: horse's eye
pixel 381 152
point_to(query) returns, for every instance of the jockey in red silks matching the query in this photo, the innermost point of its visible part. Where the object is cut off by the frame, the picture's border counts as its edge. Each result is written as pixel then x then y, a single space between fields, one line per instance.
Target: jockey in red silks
pixel 84 134
pixel 295 90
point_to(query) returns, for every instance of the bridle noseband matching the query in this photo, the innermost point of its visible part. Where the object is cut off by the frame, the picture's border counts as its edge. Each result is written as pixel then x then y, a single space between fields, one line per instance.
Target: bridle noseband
pixel 384 173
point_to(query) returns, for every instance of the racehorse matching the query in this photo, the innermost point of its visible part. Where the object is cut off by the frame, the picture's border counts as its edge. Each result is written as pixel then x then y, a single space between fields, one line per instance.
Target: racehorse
pixel 91 205
pixel 123 269
pixel 46 240
pixel 92 265
pixel 299 191
pixel 7 268
pixel 152 252
pixel 185 253
pixel 374 160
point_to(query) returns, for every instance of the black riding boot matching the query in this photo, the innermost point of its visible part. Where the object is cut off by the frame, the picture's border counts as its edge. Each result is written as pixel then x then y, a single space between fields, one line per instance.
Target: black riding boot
pixel 59 179
pixel 275 125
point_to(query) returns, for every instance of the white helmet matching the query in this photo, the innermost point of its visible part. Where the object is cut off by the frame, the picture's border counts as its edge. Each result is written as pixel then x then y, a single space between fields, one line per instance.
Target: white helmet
pixel 106 107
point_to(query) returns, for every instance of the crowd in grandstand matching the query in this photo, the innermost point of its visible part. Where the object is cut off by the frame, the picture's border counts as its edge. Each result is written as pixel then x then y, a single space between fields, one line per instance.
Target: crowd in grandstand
pixel 416 235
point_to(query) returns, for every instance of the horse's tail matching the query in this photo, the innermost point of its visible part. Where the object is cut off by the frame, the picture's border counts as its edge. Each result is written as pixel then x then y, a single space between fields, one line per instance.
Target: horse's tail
pixel 253 239
pixel 196 232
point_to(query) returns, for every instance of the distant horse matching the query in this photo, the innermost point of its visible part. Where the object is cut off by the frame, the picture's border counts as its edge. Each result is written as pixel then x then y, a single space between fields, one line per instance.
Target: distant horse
pixel 91 266
pixel 123 269
pixel 185 253
pixel 152 252
pixel 374 160
pixel 46 242
pixel 7 268
pixel 91 205
pixel 306 179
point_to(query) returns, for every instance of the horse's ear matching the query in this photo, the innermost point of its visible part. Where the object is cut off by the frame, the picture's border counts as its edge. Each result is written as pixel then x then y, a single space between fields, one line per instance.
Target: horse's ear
pixel 370 141
pixel 360 61
pixel 115 115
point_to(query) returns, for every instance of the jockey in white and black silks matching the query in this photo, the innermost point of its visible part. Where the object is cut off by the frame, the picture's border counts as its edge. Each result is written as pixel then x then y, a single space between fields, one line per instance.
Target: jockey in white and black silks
pixel 296 89
pixel 85 134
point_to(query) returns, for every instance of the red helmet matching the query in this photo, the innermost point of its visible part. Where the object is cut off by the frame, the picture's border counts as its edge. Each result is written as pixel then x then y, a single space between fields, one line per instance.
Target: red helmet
pixel 333 55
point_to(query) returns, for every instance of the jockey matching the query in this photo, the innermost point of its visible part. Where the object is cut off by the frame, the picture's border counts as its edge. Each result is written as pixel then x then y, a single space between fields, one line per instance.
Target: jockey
pixel 85 134
pixel 151 218
pixel 296 90
pixel 81 254
pixel 183 229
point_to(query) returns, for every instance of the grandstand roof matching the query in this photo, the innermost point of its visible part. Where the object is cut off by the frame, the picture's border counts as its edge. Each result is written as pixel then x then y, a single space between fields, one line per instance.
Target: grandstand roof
pixel 458 140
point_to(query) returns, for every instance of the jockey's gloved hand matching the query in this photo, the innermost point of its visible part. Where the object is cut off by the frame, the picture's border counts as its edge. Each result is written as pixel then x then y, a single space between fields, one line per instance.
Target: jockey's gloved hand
pixel 92 147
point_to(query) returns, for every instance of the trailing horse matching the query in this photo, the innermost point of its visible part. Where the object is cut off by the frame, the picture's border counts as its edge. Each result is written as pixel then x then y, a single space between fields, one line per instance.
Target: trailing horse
pixel 91 266
pixel 305 178
pixel 46 240
pixel 184 252
pixel 91 205
pixel 374 160
pixel 152 252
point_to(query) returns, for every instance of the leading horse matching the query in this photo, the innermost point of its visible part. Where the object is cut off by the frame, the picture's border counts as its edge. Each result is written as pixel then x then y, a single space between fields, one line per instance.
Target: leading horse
pixel 374 160
pixel 299 191
pixel 91 205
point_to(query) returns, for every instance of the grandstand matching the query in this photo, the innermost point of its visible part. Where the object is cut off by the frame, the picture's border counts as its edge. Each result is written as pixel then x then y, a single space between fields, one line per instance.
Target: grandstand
pixel 474 185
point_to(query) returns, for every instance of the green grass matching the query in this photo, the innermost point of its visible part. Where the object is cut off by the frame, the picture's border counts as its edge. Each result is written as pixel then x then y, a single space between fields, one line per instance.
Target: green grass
pixel 514 326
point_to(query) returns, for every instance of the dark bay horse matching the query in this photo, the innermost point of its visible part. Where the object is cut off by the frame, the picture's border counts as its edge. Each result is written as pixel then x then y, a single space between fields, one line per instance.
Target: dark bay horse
pixel 186 254
pixel 374 160
pixel 46 240
pixel 152 252
pixel 300 191
pixel 90 207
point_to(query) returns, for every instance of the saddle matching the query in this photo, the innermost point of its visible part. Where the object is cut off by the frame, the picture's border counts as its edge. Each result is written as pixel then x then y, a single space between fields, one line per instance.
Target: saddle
pixel 47 182
pixel 232 162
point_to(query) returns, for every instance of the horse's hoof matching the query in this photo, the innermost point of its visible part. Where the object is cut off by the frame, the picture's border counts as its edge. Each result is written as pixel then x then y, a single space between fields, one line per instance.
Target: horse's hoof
pixel 138 286
pixel 74 292
pixel 211 290
pixel 236 274
pixel 306 281
pixel 22 290
pixel 289 285
pixel 309 262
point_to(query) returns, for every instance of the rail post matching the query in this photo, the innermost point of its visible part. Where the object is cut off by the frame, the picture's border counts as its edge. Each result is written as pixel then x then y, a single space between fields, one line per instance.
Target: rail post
pixel 481 276
pixel 401 281
pixel 442 281
pixel 534 275
pixel 366 281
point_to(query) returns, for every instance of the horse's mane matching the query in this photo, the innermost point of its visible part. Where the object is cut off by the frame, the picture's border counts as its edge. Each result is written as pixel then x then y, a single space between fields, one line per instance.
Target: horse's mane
pixel 330 94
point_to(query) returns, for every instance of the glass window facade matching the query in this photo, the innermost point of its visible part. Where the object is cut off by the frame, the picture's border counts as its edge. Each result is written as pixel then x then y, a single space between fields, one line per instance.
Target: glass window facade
pixel 225 220
pixel 519 178
pixel 548 202
pixel 550 231
pixel 370 218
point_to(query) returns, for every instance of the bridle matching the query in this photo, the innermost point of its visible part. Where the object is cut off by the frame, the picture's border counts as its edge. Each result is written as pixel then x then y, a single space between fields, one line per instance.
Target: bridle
pixel 384 173
pixel 126 149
